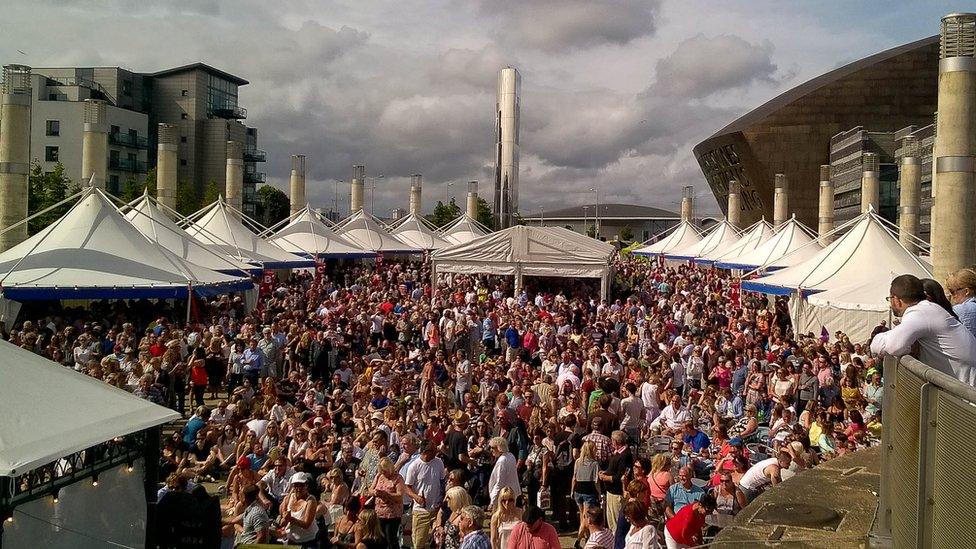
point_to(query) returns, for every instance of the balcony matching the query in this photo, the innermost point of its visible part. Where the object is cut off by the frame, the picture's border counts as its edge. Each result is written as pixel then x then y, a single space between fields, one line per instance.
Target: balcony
pixel 126 140
pixel 254 177
pixel 254 155
pixel 126 165
pixel 229 111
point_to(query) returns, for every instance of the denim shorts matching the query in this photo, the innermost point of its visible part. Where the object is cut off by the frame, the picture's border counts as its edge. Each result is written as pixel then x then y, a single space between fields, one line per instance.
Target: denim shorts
pixel 586 500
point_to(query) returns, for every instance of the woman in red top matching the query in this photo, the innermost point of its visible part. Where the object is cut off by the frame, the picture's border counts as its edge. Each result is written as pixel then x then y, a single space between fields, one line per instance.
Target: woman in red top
pixel 685 527
pixel 198 375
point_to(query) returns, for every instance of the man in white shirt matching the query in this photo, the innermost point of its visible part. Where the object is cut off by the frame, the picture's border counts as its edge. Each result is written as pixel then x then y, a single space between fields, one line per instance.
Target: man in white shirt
pixel 504 473
pixel 943 342
pixel 673 417
pixel 424 484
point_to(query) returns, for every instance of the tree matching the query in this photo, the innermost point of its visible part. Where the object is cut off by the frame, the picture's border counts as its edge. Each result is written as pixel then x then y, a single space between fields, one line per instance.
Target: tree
pixel 45 190
pixel 271 206
pixel 150 182
pixel 131 189
pixel 186 198
pixel 211 194
pixel 444 213
pixel 626 234
pixel 484 214
pixel 591 231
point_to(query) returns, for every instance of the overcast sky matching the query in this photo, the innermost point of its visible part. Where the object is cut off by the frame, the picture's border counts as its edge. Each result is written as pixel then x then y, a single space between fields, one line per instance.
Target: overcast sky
pixel 615 93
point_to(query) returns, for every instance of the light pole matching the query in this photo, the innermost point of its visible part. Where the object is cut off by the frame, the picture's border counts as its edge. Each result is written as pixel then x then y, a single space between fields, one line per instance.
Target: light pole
pixel 586 218
pixel 372 191
pixel 447 199
pixel 596 216
pixel 335 201
pixel 542 216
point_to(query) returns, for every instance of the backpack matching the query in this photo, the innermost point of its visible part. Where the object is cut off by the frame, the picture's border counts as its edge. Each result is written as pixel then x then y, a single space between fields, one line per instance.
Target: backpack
pixel 564 455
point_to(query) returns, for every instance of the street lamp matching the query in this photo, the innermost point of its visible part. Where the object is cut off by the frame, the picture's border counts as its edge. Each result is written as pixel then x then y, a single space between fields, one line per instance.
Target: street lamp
pixel 448 197
pixel 372 190
pixel 586 218
pixel 596 216
pixel 335 201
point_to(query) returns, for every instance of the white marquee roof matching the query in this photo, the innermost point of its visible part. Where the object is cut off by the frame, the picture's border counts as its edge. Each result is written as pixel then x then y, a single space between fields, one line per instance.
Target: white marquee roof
pixel 51 411
pixel 722 234
pixel 463 230
pixel 414 232
pixel 220 228
pixel 307 235
pixel 684 235
pixel 791 245
pixel 93 252
pixel 158 227
pixel 751 238
pixel 365 231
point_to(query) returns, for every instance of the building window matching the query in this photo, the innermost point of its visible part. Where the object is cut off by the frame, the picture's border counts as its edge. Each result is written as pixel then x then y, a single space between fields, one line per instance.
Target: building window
pixel 127 88
pixel 50 154
pixel 185 93
pixel 113 184
pixel 114 130
pixel 53 127
pixel 182 162
pixel 183 115
pixel 182 139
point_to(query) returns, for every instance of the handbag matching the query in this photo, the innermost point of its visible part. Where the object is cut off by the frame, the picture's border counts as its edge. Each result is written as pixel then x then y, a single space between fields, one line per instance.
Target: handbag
pixel 544 498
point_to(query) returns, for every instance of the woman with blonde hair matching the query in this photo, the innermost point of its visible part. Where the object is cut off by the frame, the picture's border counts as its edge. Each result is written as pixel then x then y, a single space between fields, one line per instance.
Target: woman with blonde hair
pixel 506 516
pixel 455 500
pixel 388 489
pixel 368 535
pixel 660 480
pixel 961 290
pixel 584 487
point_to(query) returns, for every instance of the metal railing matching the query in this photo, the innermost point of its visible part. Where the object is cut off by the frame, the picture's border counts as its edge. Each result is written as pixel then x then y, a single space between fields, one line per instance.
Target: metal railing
pixel 254 177
pixel 928 455
pixel 254 155
pixel 126 165
pixel 229 111
pixel 127 140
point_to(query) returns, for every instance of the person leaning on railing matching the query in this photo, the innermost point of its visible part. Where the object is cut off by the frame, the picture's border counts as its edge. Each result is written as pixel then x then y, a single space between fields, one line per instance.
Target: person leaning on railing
pixel 942 341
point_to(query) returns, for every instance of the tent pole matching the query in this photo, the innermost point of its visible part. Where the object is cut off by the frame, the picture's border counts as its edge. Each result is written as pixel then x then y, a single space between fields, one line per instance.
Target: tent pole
pixel 189 302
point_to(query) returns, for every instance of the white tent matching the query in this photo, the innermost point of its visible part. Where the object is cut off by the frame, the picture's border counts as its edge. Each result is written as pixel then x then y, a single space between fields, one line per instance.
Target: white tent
pixel 751 238
pixel 791 245
pixel 463 230
pixel 845 286
pixel 307 235
pixel 51 411
pixel 684 235
pixel 529 251
pixel 722 234
pixel 415 232
pixel 368 233
pixel 219 227
pixel 93 252
pixel 146 216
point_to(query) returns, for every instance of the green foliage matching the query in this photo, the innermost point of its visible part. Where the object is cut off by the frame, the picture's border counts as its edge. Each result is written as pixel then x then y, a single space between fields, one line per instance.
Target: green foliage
pixel 211 194
pixel 187 201
pixel 131 189
pixel 45 190
pixel 271 206
pixel 150 182
pixel 444 213
pixel 484 214
pixel 591 231
pixel 627 234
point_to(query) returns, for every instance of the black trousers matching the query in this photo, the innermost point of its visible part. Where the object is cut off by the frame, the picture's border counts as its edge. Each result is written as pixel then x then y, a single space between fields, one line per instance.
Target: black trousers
pixel 390 528
pixel 563 507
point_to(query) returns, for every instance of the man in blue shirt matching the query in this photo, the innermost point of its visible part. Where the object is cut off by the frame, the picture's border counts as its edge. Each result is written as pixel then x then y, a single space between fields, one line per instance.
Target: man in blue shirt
pixel 488 335
pixel 253 362
pixel 695 438
pixel 682 492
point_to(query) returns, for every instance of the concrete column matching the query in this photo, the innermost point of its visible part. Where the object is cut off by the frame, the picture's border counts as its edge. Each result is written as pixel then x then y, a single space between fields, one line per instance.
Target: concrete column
pixel 735 205
pixel 910 190
pixel 507 144
pixel 781 200
pixel 15 114
pixel 356 192
pixel 472 201
pixel 870 183
pixel 94 145
pixel 826 219
pixel 953 222
pixel 416 196
pixel 166 164
pixel 687 204
pixel 297 183
pixel 234 179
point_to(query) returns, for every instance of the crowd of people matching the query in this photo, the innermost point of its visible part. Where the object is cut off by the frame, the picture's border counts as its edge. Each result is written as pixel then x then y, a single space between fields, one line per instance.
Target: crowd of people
pixel 371 408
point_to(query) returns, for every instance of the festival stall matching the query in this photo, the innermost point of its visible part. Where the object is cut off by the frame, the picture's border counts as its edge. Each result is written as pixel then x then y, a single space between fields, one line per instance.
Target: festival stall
pixel 792 244
pixel 416 232
pixel 146 216
pixel 522 251
pixel 93 252
pixel 723 234
pixel 78 457
pixel 368 233
pixel 307 235
pixel 463 230
pixel 845 285
pixel 751 238
pixel 684 235
pixel 221 227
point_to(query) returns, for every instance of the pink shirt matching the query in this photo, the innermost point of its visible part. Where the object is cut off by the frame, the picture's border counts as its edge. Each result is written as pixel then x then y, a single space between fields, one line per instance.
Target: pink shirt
pixel 543 537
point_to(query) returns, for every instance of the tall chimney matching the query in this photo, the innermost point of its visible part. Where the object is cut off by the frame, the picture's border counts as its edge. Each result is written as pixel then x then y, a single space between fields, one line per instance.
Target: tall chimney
pixel 166 162
pixel 356 190
pixel 94 145
pixel 15 114
pixel 781 200
pixel 507 145
pixel 870 183
pixel 953 222
pixel 735 205
pixel 472 202
pixel 826 218
pixel 234 184
pixel 416 196
pixel 910 184
pixel 297 183
pixel 687 204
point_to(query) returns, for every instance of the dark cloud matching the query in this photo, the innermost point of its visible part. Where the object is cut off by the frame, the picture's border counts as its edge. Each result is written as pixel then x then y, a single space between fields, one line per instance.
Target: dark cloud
pixel 555 25
pixel 701 66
